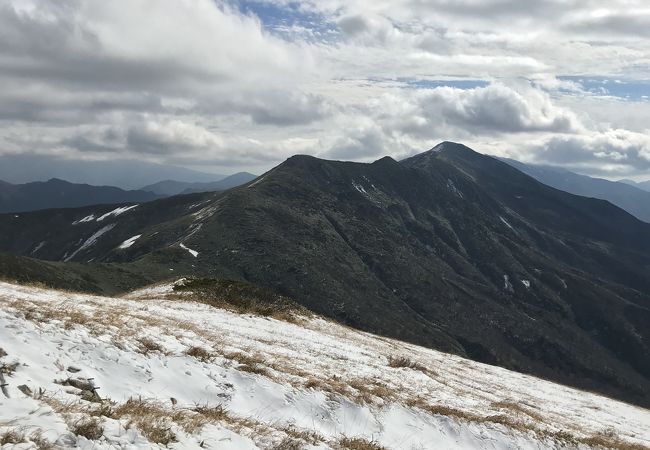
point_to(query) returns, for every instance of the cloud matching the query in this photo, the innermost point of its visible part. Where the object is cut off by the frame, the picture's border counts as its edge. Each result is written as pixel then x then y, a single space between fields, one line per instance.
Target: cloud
pixel 497 108
pixel 610 152
pixel 203 82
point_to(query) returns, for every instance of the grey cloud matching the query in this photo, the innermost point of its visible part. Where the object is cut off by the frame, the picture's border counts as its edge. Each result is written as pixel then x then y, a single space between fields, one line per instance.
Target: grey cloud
pixel 489 110
pixel 629 23
pixel 611 152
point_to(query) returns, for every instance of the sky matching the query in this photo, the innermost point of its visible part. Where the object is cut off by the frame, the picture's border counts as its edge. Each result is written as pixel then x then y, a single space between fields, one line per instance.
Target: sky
pixel 225 85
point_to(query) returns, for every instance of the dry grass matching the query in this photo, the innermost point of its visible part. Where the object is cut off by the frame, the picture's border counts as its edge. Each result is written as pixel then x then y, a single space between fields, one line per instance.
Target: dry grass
pixel 200 353
pixel 148 345
pixel 252 363
pixel 89 428
pixel 8 368
pixel 308 436
pixel 397 362
pixel 12 437
pixel 41 443
pixel 242 297
pixel 358 444
pixel 212 413
pixel 609 439
pixel 518 409
pixel 288 444
pixel 370 389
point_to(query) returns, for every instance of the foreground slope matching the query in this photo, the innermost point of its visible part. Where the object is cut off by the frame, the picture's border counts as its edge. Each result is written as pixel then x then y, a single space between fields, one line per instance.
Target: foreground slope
pixel 449 249
pixel 155 368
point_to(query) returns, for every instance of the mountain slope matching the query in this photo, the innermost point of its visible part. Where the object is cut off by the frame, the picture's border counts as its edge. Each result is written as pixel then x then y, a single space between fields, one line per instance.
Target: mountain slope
pixel 62 194
pixel 634 200
pixel 449 249
pixel 99 372
pixel 171 187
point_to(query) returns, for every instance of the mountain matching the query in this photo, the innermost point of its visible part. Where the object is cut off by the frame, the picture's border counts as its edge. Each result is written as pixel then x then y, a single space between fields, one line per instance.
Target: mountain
pixel 449 249
pixel 123 173
pixel 645 185
pixel 62 194
pixel 631 198
pixel 171 187
pixel 87 372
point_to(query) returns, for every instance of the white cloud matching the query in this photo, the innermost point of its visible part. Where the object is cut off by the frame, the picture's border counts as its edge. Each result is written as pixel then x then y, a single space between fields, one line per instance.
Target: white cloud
pixel 197 81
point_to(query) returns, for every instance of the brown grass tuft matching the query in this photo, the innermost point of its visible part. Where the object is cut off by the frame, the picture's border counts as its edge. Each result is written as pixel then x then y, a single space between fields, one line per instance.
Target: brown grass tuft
pixel 248 363
pixel 200 353
pixel 358 444
pixel 89 428
pixel 148 345
pixel 12 437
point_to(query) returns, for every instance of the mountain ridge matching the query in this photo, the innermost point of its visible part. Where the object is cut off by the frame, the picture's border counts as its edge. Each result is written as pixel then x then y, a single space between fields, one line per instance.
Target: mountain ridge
pixel 449 249
pixel 58 193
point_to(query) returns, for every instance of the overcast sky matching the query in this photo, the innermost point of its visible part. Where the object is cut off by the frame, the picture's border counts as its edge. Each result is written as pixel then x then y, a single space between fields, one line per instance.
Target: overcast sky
pixel 225 86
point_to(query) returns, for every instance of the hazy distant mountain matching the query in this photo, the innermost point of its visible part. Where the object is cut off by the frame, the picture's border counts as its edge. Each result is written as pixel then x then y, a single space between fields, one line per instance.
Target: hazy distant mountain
pixel 631 198
pixel 123 173
pixel 172 187
pixel 61 194
pixel 645 185
pixel 449 249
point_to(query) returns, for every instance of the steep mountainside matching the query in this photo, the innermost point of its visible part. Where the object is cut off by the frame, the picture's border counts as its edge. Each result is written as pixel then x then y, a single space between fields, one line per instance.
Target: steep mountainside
pixel 631 198
pixel 449 249
pixel 61 194
pixel 171 187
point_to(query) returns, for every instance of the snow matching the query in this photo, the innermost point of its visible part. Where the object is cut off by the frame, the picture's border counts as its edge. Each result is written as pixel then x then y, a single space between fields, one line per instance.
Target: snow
pixel 256 182
pixel 311 376
pixel 452 187
pixel 192 252
pixel 91 240
pixel 116 212
pixel 38 247
pixel 130 241
pixel 360 188
pixel 506 223
pixel 526 283
pixel 89 218
pixel 507 285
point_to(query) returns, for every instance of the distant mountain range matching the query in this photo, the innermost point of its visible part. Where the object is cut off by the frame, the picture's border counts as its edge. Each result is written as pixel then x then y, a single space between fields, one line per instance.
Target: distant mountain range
pixel 628 195
pixel 57 193
pixel 449 249
pixel 123 173
pixel 170 187
pixel 645 185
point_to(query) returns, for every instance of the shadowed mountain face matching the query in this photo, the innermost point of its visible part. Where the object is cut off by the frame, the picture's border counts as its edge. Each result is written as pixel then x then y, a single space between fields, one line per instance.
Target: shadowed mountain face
pixel 449 249
pixel 630 197
pixel 61 194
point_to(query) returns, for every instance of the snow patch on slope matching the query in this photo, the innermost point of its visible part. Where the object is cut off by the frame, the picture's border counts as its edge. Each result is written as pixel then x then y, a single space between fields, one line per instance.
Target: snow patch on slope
pixel 89 218
pixel 116 212
pixel 91 240
pixel 192 252
pixel 129 242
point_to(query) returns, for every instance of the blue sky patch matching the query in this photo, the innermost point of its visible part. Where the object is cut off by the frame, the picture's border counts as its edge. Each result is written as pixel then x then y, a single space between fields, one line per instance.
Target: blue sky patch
pixel 288 20
pixel 636 90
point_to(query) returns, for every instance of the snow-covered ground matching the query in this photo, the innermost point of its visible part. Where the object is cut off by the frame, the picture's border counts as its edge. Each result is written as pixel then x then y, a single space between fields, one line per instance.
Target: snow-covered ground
pixel 156 367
